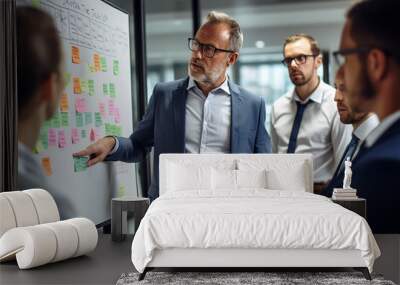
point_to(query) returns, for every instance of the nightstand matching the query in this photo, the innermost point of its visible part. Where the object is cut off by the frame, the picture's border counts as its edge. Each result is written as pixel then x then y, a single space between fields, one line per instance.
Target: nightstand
pixel 357 205
pixel 119 214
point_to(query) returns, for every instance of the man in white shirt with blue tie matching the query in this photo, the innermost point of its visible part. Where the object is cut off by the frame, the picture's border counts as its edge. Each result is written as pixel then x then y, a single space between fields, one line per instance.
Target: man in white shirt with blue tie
pixel 306 120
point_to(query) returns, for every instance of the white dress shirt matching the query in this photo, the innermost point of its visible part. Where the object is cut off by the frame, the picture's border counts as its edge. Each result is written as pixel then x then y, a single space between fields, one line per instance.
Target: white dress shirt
pixel 208 119
pixel 382 128
pixel 30 174
pixel 364 129
pixel 321 132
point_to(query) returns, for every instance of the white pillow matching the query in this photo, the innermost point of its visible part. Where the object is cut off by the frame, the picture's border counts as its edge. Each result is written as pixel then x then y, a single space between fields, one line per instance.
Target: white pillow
pixel 251 178
pixel 223 179
pixel 183 177
pixel 291 180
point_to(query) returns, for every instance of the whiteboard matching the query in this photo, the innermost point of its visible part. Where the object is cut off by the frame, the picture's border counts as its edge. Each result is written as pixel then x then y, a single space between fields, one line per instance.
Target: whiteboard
pixel 96 102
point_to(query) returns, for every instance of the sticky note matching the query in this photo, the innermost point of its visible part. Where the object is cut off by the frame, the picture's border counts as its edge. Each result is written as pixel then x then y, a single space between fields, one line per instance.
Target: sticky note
pixel 74 136
pixel 84 86
pixel 80 163
pixel 55 121
pixel 117 116
pixel 61 139
pixel 102 109
pixel 80 105
pixel 88 118
pixel 76 58
pixel 67 78
pixel 103 64
pixel 105 89
pixel 77 85
pixel 116 67
pixel 92 135
pixel 91 87
pixel 64 119
pixel 64 105
pixel 79 120
pixel 44 139
pixel 36 3
pixel 111 107
pixel 83 134
pixel 52 137
pixel 46 164
pixel 97 119
pixel 112 90
pixel 38 146
pixel 121 191
pixel 96 61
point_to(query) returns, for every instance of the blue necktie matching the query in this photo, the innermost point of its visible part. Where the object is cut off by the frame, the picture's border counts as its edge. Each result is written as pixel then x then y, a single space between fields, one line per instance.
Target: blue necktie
pixel 296 126
pixel 349 152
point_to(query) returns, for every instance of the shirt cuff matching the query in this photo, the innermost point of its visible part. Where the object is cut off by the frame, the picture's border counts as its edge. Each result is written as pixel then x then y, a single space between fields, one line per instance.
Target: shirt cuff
pixel 116 146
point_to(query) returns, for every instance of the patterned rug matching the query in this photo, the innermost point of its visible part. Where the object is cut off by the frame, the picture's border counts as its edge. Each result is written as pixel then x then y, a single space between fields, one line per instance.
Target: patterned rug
pixel 243 278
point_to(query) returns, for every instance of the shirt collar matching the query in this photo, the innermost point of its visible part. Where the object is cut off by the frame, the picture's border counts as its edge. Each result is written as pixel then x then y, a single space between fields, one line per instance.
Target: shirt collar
pixel 381 129
pixel 316 96
pixel 223 87
pixel 366 127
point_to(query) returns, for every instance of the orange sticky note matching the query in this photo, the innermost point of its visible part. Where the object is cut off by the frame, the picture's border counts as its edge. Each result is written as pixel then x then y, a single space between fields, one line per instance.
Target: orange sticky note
pixel 46 164
pixel 76 57
pixel 97 65
pixel 64 105
pixel 77 85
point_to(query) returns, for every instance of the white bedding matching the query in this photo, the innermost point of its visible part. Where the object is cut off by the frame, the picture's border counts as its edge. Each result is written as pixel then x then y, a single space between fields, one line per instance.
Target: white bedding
pixel 252 218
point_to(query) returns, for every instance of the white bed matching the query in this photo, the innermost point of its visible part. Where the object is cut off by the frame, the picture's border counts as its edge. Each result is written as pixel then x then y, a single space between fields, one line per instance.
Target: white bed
pixel 247 211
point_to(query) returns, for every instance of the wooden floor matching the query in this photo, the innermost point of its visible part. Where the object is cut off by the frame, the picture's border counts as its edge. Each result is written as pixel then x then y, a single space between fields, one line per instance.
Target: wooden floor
pixel 102 266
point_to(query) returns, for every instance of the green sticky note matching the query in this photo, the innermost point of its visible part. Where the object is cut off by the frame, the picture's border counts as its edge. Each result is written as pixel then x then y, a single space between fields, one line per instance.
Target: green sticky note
pixel 112 90
pixel 91 87
pixel 80 163
pixel 67 78
pixel 115 67
pixel 108 129
pixel 105 89
pixel 83 134
pixel 98 120
pixel 84 86
pixel 46 125
pixel 88 118
pixel 36 3
pixel 79 120
pixel 64 119
pixel 121 191
pixel 103 64
pixel 55 121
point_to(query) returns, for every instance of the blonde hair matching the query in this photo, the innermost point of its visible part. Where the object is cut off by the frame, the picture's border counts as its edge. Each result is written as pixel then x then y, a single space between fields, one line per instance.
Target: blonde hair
pixel 235 35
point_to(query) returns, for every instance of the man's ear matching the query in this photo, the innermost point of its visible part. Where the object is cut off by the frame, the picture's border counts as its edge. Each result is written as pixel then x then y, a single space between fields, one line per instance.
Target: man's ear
pixel 318 61
pixel 232 58
pixel 377 65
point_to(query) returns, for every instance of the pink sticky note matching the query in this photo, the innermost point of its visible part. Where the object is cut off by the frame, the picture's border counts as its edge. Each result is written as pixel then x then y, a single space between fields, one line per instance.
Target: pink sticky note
pixel 111 107
pixel 80 105
pixel 92 135
pixel 61 139
pixel 117 116
pixel 75 135
pixel 52 136
pixel 102 109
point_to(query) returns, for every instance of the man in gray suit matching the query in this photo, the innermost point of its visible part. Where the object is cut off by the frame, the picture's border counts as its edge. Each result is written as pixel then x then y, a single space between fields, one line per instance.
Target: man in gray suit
pixel 203 113
pixel 40 84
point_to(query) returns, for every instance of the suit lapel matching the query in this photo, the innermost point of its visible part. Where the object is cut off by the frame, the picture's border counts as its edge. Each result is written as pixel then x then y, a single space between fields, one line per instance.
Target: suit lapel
pixel 179 105
pixel 236 101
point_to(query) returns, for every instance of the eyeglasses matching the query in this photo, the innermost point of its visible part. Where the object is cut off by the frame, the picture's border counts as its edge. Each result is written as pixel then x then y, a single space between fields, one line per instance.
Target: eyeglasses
pixel 207 50
pixel 340 55
pixel 300 59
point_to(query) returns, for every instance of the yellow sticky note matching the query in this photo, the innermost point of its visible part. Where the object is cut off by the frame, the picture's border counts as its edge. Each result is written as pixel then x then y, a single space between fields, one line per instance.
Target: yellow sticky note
pixel 64 105
pixel 77 85
pixel 97 65
pixel 46 164
pixel 76 57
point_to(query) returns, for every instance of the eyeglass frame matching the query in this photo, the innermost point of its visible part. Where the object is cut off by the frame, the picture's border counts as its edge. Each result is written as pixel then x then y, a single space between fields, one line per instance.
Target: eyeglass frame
pixel 363 49
pixel 283 61
pixel 201 47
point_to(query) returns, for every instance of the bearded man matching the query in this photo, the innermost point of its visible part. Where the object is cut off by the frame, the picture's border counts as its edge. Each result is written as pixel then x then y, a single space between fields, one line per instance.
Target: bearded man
pixel 203 113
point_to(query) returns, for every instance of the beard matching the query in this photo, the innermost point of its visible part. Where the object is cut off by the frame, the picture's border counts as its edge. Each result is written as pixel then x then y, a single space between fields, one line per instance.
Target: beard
pixel 299 79
pixel 202 75
pixel 365 92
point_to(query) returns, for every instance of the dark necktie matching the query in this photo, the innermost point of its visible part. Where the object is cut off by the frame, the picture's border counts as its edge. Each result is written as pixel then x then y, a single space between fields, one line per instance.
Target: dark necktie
pixel 296 126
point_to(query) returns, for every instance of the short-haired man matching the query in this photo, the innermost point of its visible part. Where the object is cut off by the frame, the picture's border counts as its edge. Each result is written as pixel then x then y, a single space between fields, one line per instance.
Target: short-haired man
pixel 370 57
pixel 363 123
pixel 203 113
pixel 306 120
pixel 40 83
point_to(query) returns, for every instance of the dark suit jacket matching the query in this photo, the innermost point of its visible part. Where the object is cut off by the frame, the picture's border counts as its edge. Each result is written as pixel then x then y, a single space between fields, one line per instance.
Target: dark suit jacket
pixel 376 176
pixel 163 126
